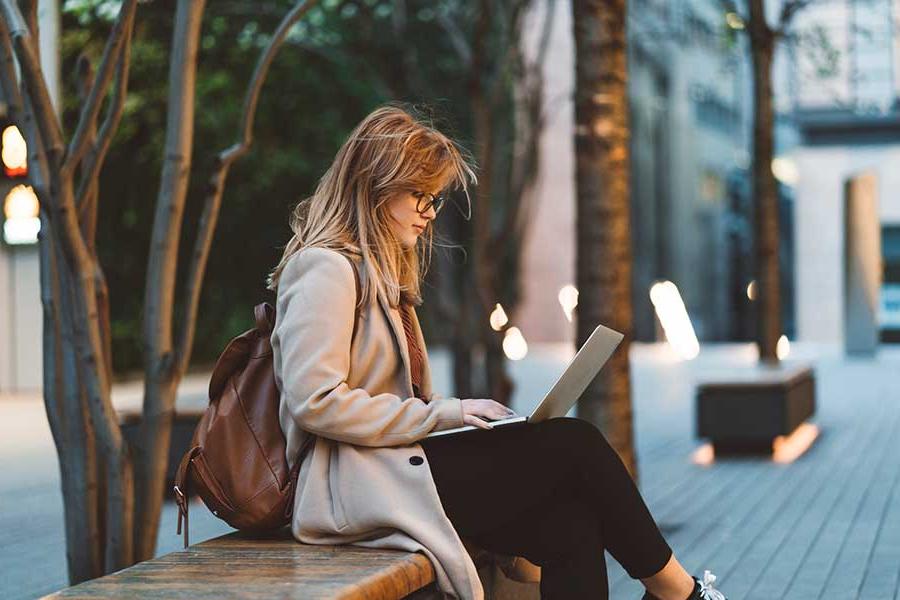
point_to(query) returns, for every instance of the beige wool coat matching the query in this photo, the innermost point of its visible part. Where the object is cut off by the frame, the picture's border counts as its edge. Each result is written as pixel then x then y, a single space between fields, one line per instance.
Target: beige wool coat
pixel 366 481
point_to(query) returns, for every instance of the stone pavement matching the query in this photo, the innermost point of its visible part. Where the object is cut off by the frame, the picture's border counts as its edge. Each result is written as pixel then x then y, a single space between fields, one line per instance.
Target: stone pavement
pixel 32 542
pixel 826 525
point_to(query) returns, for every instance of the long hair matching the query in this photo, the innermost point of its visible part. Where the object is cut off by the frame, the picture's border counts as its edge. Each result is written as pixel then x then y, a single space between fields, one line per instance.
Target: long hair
pixel 390 152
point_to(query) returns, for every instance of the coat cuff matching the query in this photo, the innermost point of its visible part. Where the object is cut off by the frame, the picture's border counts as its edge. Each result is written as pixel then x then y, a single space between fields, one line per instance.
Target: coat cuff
pixel 449 411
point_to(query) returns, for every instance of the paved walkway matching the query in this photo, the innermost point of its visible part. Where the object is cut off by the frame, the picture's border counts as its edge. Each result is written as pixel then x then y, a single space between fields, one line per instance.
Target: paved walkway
pixel 768 530
pixel 824 526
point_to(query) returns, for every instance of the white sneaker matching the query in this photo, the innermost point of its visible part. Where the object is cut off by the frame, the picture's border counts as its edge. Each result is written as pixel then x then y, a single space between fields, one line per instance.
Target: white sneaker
pixel 706 590
pixel 703 589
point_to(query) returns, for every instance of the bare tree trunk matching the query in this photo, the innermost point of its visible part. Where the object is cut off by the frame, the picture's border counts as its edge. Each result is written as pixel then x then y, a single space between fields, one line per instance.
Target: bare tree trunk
pixel 72 428
pixel 765 190
pixel 166 362
pixel 160 378
pixel 604 256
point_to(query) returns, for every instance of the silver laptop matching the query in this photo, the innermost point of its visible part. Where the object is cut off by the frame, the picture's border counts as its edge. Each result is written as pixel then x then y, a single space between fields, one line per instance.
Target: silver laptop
pixel 568 388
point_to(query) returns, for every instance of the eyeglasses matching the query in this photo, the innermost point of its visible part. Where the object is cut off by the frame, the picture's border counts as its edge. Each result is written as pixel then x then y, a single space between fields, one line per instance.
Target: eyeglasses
pixel 425 201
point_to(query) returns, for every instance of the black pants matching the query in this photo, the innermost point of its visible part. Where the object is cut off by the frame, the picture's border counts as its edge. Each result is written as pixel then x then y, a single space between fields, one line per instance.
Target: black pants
pixel 554 492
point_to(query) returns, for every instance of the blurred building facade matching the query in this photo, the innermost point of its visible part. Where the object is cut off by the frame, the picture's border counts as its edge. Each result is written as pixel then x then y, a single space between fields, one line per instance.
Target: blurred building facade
pixel 845 86
pixel 690 108
pixel 837 117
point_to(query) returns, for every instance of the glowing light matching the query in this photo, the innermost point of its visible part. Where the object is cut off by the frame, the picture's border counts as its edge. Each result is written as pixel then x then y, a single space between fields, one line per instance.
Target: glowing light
pixel 14 153
pixel 21 231
pixel 21 208
pixel 751 290
pixel 705 455
pixel 783 348
pixel 787 449
pixel 785 171
pixel 734 20
pixel 514 345
pixel 675 322
pixel 568 299
pixel 498 318
pixel 21 203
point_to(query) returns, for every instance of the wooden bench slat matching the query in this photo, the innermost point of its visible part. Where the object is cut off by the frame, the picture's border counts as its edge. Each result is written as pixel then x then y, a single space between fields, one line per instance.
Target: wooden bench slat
pixel 238 566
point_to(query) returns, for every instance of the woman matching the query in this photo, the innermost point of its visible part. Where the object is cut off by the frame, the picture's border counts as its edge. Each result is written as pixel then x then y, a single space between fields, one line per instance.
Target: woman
pixel 358 388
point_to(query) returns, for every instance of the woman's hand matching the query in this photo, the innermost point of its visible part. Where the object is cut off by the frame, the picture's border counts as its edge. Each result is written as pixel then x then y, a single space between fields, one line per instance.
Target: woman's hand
pixel 475 409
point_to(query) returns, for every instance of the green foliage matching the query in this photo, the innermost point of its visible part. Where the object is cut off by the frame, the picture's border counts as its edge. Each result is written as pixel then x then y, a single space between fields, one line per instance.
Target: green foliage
pixel 339 63
pixel 820 51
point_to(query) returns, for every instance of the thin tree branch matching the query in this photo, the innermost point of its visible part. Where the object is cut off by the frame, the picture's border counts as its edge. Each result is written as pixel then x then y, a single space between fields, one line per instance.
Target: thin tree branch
pixel 87 199
pixel 110 124
pixel 87 121
pixel 216 184
pixel 789 10
pixel 29 11
pixel 84 73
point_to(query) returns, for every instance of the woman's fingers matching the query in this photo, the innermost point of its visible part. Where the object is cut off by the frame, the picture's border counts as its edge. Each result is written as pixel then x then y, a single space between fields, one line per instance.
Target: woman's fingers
pixel 485 408
pixel 477 422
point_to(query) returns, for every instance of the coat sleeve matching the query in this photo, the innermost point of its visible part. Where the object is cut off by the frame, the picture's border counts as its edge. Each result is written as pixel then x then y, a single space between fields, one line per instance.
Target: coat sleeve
pixel 311 344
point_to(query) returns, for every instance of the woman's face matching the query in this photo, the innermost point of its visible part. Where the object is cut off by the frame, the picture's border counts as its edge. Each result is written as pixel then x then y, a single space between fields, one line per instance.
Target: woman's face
pixel 406 222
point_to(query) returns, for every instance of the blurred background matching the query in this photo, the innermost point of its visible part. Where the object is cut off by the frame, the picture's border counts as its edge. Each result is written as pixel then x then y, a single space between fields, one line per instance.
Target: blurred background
pixel 690 102
pixel 836 84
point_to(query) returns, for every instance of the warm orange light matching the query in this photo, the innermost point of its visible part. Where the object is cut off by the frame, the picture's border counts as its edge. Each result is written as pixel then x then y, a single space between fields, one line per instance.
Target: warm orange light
pixel 704 455
pixel 786 449
pixel 21 203
pixel 14 152
pixel 498 318
pixel 22 211
pixel 514 345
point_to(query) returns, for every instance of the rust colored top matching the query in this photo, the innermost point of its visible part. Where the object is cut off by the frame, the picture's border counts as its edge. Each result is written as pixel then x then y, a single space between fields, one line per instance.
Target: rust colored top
pixel 416 357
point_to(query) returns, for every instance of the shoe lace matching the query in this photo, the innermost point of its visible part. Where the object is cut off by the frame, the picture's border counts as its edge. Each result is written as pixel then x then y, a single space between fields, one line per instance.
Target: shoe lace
pixel 707 591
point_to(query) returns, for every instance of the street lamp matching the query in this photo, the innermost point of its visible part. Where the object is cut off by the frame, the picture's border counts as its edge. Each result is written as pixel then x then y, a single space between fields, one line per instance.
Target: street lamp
pixel 14 152
pixel 21 209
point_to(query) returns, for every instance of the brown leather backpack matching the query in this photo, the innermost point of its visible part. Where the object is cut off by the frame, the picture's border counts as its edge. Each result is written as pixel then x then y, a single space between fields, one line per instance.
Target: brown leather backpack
pixel 237 462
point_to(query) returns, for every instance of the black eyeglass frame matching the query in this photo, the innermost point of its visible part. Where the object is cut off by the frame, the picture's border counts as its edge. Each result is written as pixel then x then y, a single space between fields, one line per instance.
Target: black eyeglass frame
pixel 429 200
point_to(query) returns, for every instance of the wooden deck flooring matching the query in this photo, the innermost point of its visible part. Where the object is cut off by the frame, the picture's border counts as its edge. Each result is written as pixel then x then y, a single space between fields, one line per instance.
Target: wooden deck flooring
pixel 824 526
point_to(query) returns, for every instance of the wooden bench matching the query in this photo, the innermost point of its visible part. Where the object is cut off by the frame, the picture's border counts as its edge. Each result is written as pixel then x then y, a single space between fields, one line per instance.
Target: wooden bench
pixel 239 565
pixel 744 409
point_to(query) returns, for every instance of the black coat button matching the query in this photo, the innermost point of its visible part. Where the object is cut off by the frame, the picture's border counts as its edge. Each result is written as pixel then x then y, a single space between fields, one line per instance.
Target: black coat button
pixel 416 460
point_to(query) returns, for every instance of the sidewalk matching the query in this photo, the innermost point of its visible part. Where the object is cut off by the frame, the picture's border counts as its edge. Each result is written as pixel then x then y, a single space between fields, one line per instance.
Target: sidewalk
pixel 768 530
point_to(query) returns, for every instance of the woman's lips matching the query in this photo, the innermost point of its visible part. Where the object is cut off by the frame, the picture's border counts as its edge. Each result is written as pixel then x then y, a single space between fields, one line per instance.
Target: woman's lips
pixel 420 228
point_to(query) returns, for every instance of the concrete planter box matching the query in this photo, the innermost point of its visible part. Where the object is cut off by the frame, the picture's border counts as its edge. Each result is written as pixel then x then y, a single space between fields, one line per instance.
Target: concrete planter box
pixel 745 409
pixel 183 425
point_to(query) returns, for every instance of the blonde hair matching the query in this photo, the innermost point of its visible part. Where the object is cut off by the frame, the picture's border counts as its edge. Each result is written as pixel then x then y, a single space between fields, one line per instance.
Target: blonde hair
pixel 389 152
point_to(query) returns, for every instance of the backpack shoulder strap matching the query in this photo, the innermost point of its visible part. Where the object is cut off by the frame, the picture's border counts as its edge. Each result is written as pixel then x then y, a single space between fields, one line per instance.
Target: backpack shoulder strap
pixel 358 293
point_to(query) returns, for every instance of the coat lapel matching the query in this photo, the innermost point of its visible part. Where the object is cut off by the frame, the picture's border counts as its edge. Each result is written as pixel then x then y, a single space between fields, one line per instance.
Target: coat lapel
pixel 393 317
